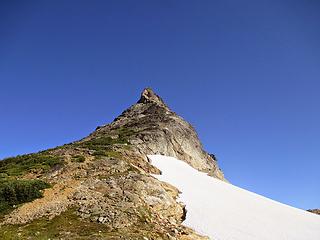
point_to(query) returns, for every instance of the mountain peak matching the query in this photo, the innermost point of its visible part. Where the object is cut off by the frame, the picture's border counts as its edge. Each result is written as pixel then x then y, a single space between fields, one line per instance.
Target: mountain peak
pixel 149 96
pixel 104 181
pixel 158 130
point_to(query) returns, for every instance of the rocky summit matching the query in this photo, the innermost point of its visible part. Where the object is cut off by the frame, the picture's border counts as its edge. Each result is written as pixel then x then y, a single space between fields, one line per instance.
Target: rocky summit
pixel 101 187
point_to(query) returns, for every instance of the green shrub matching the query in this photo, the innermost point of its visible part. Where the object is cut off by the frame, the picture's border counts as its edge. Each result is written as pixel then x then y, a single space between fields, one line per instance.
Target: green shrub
pixel 78 158
pixel 99 153
pixel 107 153
pixel 125 132
pixel 20 165
pixel 14 192
pixel 104 142
pixel 113 154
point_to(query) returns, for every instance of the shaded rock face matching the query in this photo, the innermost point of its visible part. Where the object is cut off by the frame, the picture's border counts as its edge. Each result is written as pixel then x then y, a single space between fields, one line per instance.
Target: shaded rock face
pixel 158 130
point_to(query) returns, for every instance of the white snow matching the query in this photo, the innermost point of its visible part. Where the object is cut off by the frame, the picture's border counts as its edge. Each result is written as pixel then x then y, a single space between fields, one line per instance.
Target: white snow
pixel 223 211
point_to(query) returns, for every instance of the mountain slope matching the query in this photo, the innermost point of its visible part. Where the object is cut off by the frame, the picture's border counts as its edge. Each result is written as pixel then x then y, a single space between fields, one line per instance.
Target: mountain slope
pixel 225 212
pixel 101 186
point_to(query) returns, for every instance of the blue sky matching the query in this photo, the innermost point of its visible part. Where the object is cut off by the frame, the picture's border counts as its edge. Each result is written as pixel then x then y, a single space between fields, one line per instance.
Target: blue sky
pixel 245 73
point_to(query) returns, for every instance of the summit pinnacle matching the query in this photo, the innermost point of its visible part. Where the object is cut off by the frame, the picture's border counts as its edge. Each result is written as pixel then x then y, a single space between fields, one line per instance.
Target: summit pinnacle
pixel 148 96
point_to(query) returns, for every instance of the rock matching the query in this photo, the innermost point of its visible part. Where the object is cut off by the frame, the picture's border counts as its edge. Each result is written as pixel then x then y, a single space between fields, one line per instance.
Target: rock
pixel 101 219
pixel 315 211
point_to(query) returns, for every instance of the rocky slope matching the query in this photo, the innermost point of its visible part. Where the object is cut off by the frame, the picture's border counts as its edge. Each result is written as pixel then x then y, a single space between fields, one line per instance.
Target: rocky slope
pixel 102 187
pixel 315 211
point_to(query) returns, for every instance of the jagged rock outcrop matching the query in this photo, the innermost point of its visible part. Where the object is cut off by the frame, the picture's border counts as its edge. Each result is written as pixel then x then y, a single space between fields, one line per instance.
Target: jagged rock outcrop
pixel 315 211
pixel 104 184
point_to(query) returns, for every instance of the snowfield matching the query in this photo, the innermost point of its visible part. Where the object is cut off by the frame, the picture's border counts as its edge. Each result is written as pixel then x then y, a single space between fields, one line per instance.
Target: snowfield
pixel 223 211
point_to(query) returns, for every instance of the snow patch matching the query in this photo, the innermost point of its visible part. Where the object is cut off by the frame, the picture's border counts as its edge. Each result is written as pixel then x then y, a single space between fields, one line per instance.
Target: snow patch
pixel 223 211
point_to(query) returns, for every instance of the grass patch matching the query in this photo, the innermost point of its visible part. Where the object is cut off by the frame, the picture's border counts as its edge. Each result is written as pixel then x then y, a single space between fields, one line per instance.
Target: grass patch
pixel 69 226
pixel 119 136
pixel 20 165
pixel 78 158
pixel 126 132
pixel 102 143
pixel 109 153
pixel 15 192
pixel 113 154
pixel 100 153
pixel 145 214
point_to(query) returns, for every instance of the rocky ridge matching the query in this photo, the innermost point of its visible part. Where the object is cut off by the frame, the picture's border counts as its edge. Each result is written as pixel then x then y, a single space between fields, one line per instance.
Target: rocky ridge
pixel 104 181
pixel 315 211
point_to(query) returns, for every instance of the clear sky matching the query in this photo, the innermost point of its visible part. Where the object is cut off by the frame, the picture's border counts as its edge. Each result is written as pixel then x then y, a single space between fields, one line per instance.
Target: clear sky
pixel 245 73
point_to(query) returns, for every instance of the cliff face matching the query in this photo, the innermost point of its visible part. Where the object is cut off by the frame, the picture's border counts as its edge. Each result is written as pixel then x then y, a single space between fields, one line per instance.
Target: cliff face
pixel 103 185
